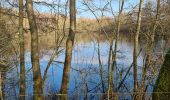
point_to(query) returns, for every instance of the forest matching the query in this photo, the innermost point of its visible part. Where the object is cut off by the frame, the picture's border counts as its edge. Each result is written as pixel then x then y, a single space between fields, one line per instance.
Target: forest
pixel 84 49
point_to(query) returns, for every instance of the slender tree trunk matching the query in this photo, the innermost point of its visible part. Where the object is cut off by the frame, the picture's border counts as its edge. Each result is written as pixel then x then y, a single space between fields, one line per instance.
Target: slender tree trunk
pixel 109 72
pixel 69 47
pixel 22 61
pixel 101 67
pixel 135 53
pixel 114 53
pixel 156 20
pixel 1 89
pixel 1 95
pixel 144 72
pixel 37 86
pixel 150 48
pixel 2 84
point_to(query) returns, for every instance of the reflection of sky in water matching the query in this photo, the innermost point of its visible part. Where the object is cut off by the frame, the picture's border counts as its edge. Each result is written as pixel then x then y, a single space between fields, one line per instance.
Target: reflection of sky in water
pixel 84 58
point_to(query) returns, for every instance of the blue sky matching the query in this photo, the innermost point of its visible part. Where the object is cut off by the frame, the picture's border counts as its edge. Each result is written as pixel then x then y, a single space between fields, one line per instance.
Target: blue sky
pixel 98 3
pixel 114 4
pixel 87 14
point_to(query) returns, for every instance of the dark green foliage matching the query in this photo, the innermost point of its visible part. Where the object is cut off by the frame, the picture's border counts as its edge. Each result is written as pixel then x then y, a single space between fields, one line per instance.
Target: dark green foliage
pixel 163 81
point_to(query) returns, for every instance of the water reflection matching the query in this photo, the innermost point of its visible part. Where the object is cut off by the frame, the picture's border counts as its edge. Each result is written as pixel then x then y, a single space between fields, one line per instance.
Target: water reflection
pixel 84 76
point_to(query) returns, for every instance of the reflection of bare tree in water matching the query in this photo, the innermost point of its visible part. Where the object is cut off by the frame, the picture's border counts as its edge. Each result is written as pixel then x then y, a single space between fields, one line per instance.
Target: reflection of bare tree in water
pixel 94 78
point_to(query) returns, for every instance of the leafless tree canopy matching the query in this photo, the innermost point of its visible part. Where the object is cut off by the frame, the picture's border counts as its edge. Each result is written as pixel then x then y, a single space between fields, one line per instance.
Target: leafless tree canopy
pixel 84 49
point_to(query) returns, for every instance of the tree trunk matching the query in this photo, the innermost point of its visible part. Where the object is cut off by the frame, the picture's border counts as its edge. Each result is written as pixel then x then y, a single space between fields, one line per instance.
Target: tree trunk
pixel 135 53
pixel 101 67
pixel 162 86
pixel 69 47
pixel 2 84
pixel 22 61
pixel 37 86
pixel 156 20
pixel 114 53
pixel 1 96
pixel 149 51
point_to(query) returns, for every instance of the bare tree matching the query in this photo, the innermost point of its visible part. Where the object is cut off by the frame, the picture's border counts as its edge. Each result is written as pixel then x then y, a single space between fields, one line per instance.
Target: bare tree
pixel 136 47
pixel 37 85
pixel 150 47
pixel 69 47
pixel 156 20
pixel 22 51
pixel 113 53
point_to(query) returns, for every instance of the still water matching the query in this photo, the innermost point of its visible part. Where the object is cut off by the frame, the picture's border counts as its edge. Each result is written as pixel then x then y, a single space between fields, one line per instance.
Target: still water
pixel 85 71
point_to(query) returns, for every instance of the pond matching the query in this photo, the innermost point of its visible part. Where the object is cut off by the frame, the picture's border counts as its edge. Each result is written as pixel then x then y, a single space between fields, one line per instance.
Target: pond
pixel 85 80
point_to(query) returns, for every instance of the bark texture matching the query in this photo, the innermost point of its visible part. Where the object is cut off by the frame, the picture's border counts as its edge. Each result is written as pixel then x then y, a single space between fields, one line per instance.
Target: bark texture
pixel 37 86
pixel 69 47
pixel 22 61
pixel 149 51
pixel 136 47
